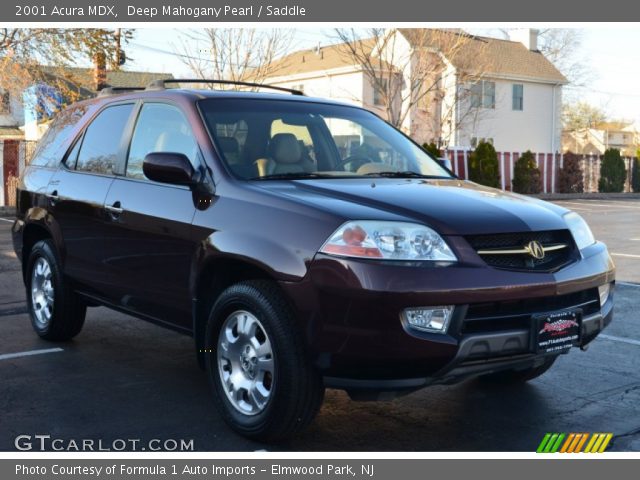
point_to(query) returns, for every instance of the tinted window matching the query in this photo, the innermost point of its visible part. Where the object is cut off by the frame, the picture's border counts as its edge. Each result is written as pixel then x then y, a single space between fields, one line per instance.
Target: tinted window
pixel 291 137
pixel 101 143
pixel 54 142
pixel 160 128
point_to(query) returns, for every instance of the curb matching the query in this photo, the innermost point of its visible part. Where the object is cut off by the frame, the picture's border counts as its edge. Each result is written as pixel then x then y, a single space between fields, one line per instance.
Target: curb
pixel 588 196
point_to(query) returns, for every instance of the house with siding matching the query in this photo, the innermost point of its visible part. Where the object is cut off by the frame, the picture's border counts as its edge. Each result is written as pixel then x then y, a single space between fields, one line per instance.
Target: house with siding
pixel 24 115
pixel 502 91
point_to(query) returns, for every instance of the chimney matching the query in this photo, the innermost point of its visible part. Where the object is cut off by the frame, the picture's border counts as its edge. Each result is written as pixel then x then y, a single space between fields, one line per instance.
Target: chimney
pixel 99 71
pixel 527 36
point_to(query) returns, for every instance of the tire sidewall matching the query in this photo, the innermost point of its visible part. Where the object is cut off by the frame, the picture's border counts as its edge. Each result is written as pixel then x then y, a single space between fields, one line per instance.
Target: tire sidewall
pixel 250 299
pixel 43 249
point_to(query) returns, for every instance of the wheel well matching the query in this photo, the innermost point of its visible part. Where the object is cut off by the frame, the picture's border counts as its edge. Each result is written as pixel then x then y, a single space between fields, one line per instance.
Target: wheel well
pixel 213 280
pixel 32 235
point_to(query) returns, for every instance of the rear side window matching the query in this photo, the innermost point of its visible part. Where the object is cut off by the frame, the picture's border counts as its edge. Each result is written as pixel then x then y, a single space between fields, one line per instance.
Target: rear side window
pixel 53 144
pixel 101 144
pixel 160 128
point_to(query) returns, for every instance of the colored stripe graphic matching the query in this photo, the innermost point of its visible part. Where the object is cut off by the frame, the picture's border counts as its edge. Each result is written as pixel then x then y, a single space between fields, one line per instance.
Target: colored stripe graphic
pixel 593 439
pixel 543 443
pixel 581 443
pixel 605 443
pixel 554 442
pixel 567 442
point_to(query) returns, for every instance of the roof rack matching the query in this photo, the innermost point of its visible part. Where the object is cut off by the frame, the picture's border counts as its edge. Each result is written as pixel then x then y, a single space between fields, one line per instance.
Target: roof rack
pixel 105 92
pixel 161 84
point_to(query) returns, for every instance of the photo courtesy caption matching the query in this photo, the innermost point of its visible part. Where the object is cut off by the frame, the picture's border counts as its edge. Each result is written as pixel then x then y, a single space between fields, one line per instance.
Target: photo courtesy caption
pixel 122 469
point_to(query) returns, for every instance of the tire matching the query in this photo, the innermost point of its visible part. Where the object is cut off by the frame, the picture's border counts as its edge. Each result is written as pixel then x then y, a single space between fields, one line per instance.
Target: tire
pixel 518 376
pixel 262 380
pixel 57 314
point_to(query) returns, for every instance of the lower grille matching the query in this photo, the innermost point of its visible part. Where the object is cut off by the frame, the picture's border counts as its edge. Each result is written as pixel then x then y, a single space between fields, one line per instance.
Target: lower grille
pixel 516 314
pixel 512 251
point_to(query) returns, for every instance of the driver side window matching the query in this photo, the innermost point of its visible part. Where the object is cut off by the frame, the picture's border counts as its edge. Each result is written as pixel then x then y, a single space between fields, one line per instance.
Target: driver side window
pixel 160 128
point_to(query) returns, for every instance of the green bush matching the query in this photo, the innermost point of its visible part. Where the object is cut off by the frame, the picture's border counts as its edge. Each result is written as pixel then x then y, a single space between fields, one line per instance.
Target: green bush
pixel 612 172
pixel 432 149
pixel 526 175
pixel 635 173
pixel 570 177
pixel 483 165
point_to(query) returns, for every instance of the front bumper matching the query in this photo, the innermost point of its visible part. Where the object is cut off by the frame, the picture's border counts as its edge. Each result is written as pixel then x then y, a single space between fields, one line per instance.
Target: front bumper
pixel 351 315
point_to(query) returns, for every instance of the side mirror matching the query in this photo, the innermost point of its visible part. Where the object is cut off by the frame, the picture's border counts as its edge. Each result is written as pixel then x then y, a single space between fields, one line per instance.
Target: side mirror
pixel 166 167
pixel 446 163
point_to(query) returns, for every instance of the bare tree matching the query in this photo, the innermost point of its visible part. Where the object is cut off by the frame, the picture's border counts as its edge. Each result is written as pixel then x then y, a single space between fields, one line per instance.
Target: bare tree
pixel 421 70
pixel 234 54
pixel 42 55
pixel 562 46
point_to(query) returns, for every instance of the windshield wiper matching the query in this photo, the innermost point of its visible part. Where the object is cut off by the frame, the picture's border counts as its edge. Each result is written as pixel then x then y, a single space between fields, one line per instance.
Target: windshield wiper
pixel 292 176
pixel 401 174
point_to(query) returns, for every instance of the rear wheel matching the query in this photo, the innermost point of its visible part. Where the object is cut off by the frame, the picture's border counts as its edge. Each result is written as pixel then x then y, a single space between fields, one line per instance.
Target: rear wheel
pixel 262 380
pixel 519 376
pixel 56 311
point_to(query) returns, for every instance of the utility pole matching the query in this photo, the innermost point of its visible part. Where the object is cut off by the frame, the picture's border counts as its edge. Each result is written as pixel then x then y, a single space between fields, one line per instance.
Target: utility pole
pixel 118 60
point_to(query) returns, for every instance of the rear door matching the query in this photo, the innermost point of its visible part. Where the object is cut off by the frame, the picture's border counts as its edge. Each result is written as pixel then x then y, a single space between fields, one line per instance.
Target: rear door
pixel 149 246
pixel 77 191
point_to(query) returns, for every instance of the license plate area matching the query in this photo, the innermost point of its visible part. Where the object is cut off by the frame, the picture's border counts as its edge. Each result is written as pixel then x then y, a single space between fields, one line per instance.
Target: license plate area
pixel 557 331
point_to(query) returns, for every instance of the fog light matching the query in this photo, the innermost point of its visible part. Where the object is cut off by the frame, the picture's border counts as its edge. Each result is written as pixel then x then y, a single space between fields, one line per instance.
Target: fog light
pixel 431 319
pixel 604 290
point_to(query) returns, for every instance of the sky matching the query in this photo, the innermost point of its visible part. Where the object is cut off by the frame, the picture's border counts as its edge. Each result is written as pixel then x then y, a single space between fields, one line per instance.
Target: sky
pixel 611 54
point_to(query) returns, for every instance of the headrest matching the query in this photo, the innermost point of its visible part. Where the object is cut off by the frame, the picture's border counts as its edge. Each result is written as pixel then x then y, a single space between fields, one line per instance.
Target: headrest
pixel 284 148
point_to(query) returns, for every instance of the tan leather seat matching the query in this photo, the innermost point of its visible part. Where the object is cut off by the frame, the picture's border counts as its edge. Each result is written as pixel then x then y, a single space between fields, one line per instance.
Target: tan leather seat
pixel 285 156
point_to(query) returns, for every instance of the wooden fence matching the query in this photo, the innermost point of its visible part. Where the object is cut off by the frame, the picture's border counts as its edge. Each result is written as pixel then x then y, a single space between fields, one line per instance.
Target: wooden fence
pixel 548 163
pixel 14 155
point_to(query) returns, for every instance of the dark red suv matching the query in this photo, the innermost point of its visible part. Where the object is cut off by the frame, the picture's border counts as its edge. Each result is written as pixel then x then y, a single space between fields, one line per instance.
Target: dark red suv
pixel 303 244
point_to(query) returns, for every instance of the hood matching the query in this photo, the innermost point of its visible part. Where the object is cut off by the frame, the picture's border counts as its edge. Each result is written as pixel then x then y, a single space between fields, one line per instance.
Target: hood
pixel 451 207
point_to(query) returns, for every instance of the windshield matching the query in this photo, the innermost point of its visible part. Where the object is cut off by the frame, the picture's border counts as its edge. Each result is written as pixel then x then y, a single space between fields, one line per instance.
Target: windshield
pixel 271 139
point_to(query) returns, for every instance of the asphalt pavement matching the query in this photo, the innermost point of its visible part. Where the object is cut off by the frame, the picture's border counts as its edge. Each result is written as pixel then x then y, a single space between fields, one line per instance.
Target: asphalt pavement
pixel 122 378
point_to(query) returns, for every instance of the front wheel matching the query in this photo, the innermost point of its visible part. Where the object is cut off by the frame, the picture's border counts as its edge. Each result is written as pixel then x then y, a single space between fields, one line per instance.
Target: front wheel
pixel 263 383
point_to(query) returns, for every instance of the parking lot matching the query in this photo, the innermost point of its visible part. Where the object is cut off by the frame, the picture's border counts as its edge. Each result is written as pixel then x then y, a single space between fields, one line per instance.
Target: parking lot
pixel 122 378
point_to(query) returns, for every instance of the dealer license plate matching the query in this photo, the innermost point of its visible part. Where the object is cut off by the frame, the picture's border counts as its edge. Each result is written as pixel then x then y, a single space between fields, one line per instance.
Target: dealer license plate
pixel 557 331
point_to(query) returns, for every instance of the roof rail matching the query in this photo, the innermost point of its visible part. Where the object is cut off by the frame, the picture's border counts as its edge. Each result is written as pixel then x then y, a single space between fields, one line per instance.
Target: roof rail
pixel 160 84
pixel 107 91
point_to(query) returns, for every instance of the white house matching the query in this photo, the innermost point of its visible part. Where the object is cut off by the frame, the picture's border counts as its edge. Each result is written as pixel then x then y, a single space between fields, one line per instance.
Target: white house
pixel 502 91
pixel 596 139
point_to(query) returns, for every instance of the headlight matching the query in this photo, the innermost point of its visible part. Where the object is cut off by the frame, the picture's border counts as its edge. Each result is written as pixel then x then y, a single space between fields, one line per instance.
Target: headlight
pixel 388 241
pixel 580 230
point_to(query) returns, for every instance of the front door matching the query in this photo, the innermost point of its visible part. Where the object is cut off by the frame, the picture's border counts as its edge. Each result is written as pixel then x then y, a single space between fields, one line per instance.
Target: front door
pixel 149 248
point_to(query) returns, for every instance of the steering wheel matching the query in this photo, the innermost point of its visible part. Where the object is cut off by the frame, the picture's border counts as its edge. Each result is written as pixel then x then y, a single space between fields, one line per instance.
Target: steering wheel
pixel 357 160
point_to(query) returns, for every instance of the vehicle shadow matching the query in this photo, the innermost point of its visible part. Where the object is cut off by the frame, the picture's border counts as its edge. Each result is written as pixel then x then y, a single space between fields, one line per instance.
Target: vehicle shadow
pixel 473 416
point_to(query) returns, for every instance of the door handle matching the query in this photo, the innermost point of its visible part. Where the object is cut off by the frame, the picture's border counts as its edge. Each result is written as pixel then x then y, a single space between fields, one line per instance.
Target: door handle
pixel 114 210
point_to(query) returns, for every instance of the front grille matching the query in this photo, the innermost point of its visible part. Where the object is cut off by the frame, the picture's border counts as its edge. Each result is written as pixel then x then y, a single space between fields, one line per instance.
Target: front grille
pixel 516 314
pixel 493 250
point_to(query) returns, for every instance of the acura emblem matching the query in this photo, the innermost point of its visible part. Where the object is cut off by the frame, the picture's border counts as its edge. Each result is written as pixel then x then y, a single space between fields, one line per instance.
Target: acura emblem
pixel 535 249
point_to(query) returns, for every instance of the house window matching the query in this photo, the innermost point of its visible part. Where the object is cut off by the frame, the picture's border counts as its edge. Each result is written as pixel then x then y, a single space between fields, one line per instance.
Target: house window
pixel 5 102
pixel 517 98
pixel 483 94
pixel 377 97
